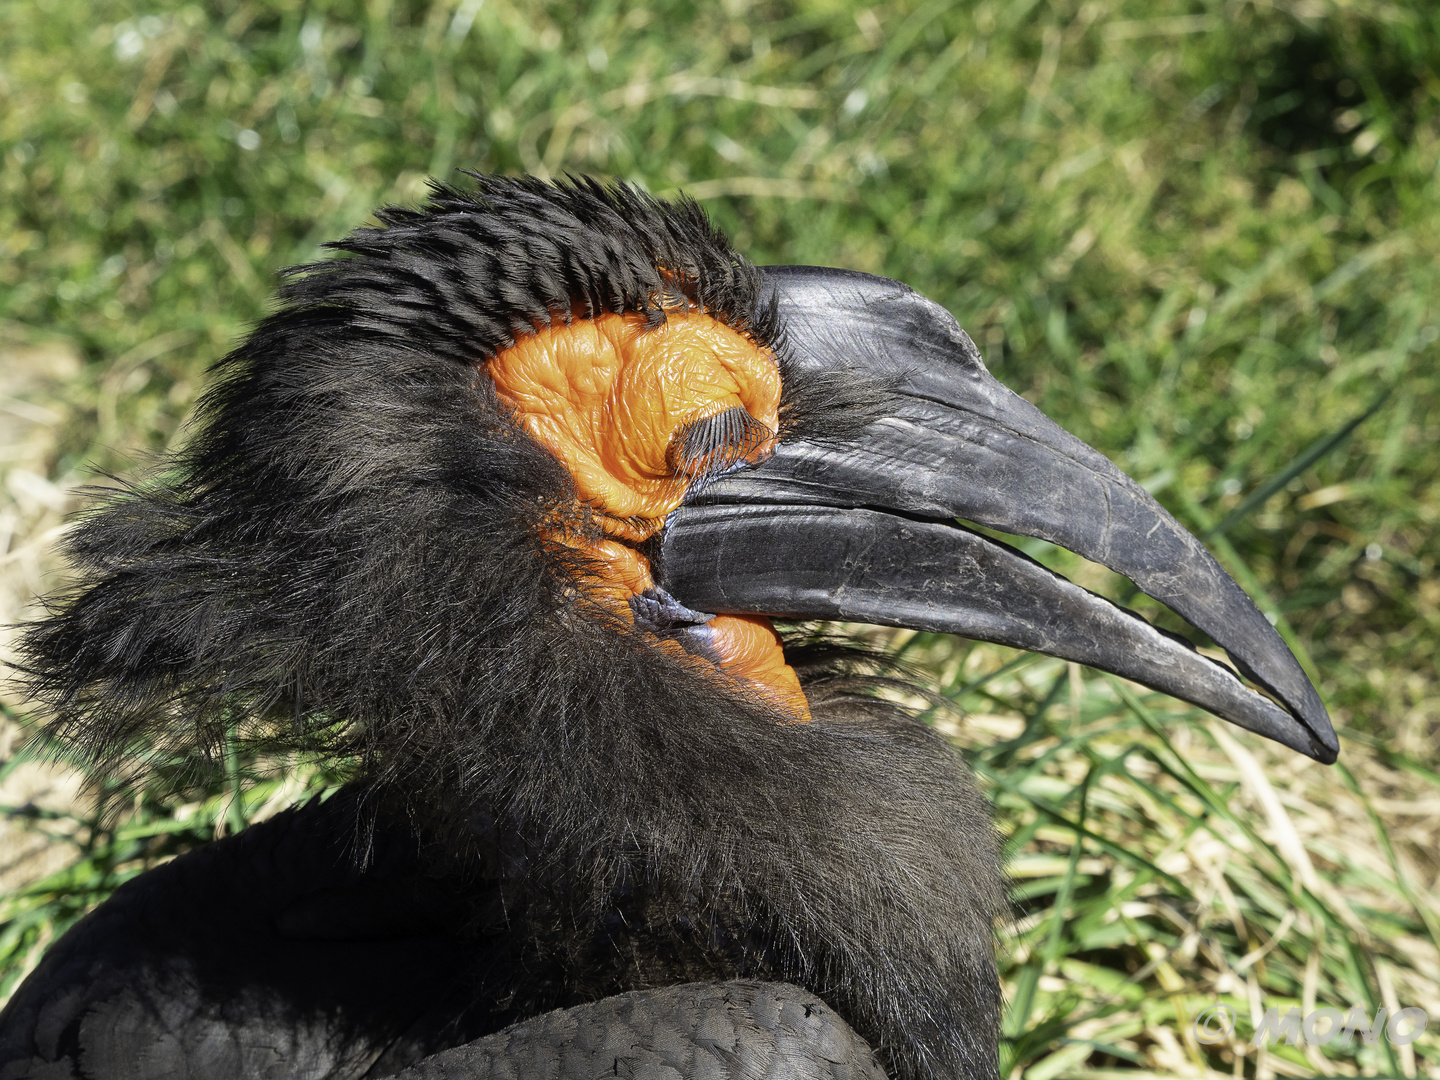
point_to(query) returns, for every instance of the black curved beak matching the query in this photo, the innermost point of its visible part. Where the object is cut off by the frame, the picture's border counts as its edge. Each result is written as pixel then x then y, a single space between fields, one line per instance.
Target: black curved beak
pixel 863 529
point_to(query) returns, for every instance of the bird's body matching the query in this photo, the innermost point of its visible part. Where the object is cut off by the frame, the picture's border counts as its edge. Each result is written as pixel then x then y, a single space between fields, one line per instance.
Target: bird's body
pixel 414 529
pixel 275 954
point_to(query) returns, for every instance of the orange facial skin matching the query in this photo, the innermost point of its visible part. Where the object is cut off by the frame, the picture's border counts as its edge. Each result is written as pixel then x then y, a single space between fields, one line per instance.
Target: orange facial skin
pixel 607 395
pixel 611 397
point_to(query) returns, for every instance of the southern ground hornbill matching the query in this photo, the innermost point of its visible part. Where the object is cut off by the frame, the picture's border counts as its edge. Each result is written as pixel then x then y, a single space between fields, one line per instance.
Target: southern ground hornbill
pixel 498 504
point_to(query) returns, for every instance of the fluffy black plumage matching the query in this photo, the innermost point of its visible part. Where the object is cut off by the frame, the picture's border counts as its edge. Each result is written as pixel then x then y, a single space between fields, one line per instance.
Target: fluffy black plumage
pixel 347 557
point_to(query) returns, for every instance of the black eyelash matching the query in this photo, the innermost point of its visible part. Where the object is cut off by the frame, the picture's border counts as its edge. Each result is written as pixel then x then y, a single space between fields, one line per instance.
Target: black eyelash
pixel 705 448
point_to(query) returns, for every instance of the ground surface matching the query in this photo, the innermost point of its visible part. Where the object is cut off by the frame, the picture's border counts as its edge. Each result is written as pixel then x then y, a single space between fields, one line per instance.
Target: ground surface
pixel 1202 235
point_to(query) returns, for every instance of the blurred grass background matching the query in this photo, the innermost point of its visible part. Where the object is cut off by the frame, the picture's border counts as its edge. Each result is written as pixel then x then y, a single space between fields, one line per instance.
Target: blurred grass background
pixel 1201 234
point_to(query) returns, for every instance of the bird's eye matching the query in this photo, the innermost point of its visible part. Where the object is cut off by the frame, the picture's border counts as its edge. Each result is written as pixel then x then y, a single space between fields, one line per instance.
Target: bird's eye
pixel 713 445
pixel 639 415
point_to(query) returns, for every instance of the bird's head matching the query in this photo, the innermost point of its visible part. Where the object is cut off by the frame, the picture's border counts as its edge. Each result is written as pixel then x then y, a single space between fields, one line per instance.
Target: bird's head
pixel 800 442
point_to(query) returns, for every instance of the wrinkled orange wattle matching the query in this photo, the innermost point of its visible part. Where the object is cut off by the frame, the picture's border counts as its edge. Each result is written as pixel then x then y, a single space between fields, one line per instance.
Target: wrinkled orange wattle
pixel 607 396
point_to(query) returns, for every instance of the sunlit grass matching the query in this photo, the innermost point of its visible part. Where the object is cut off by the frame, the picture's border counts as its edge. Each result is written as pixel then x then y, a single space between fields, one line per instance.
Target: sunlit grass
pixel 1202 236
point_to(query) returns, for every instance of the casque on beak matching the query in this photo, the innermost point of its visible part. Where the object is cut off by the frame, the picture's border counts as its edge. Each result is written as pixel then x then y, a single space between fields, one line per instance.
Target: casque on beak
pixel 863 529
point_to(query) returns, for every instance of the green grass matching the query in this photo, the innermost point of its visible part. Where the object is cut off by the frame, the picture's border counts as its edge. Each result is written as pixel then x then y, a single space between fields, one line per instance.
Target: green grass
pixel 1202 236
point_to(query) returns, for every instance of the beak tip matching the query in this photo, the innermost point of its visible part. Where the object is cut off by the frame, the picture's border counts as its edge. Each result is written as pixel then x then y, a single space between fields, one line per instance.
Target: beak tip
pixel 1311 734
pixel 1304 728
pixel 1316 721
pixel 1322 750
